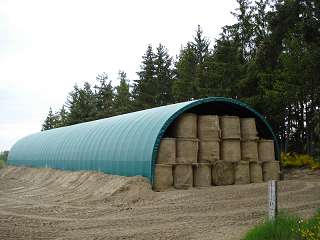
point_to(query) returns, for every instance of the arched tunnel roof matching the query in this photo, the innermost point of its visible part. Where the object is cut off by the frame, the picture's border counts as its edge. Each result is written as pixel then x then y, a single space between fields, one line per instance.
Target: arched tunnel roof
pixel 124 145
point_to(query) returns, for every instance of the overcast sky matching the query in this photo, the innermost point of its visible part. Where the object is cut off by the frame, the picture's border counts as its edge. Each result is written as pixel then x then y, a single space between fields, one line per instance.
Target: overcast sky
pixel 46 46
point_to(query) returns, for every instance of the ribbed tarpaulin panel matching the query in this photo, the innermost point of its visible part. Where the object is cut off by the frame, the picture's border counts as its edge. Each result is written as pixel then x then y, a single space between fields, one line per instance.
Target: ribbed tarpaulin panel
pixel 124 145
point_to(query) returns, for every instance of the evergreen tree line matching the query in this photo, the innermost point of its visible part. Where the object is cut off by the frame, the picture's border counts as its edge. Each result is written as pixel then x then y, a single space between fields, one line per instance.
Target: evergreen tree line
pixel 4 155
pixel 269 58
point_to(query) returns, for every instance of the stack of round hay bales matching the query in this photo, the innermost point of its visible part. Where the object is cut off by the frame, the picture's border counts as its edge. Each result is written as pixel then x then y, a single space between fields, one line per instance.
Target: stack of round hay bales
pixel 223 173
pixel 230 134
pixel 187 145
pixel 209 149
pixel 270 167
pixel 249 148
pixel 209 136
pixel 164 166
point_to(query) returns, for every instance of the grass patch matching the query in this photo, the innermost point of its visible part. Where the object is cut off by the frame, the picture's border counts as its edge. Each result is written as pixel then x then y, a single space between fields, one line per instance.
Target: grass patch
pixel 310 229
pixel 2 163
pixel 280 229
pixel 287 227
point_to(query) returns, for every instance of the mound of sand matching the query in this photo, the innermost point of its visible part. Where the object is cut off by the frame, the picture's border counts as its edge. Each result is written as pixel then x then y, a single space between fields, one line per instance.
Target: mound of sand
pixel 84 187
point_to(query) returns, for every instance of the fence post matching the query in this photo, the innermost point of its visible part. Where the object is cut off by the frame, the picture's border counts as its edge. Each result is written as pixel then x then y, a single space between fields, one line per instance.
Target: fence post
pixel 272 199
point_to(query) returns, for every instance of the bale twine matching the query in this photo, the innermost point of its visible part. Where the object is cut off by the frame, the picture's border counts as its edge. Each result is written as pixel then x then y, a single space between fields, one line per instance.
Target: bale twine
pixel 230 150
pixel 187 150
pixel 167 151
pixel 249 150
pixel 255 172
pixel 202 175
pixel 182 176
pixel 185 126
pixel 209 150
pixel 223 173
pixel 163 177
pixel 271 170
pixel 266 150
pixel 230 127
pixel 208 127
pixel 248 128
pixel 242 173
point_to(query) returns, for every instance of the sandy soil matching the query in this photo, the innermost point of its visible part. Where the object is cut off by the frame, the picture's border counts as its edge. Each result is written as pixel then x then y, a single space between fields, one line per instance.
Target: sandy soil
pixel 53 204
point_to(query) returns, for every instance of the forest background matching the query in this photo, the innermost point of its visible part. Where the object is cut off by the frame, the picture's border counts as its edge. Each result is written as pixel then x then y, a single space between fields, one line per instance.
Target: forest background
pixel 269 58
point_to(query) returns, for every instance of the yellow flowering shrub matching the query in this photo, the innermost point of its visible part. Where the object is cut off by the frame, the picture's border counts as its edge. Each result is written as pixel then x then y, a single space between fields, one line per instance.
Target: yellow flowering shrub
pixel 299 160
pixel 310 229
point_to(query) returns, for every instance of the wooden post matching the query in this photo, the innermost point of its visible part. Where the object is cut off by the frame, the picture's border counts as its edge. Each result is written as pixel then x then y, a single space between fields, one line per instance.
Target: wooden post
pixel 273 199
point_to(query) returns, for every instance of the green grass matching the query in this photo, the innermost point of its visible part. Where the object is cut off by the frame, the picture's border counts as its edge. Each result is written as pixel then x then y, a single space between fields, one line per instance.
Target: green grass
pixel 287 227
pixel 2 163
pixel 310 229
pixel 280 229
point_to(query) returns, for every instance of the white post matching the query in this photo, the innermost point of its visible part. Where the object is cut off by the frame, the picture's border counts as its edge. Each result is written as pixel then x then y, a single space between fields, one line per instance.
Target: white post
pixel 273 199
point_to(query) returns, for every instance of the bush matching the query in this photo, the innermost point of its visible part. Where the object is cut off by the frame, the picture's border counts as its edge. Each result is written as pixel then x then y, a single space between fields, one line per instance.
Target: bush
pixel 2 163
pixel 299 160
pixel 287 227
pixel 280 229
pixel 310 229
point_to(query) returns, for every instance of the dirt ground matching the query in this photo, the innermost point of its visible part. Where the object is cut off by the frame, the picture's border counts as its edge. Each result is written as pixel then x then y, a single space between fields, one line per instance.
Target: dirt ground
pixel 53 204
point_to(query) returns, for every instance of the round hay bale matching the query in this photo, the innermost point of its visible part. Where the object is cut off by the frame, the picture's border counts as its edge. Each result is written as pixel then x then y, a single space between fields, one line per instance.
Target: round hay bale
pixel 209 151
pixel 266 150
pixel 182 176
pixel 271 170
pixel 248 129
pixel 242 173
pixel 255 172
pixel 167 151
pixel 187 150
pixel 163 177
pixel 208 127
pixel 202 175
pixel 249 150
pixel 185 126
pixel 231 150
pixel 230 127
pixel 223 173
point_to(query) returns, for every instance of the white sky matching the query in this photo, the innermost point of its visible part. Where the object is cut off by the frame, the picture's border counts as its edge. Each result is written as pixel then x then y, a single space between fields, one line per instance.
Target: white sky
pixel 46 46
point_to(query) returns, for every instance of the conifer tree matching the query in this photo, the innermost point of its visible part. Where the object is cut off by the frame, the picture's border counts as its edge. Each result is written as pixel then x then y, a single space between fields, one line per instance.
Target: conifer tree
pixel 81 104
pixel 200 45
pixel 62 117
pixel 185 87
pixel 225 69
pixel 243 30
pixel 122 99
pixel 104 96
pixel 50 122
pixel 145 88
pixel 260 19
pixel 164 76
pixel 72 104
pixel 192 69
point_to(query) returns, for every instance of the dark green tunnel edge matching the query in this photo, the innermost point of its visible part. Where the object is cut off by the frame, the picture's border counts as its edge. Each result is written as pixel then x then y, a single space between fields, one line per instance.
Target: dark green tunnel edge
pixel 195 103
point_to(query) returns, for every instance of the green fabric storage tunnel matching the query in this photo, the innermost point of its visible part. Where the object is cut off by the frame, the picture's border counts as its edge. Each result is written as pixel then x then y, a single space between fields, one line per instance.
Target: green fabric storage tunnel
pixel 123 145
